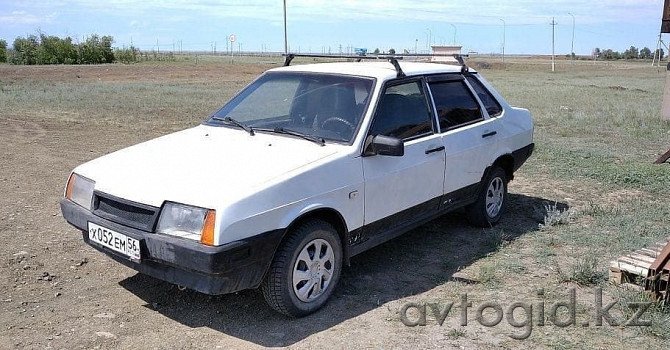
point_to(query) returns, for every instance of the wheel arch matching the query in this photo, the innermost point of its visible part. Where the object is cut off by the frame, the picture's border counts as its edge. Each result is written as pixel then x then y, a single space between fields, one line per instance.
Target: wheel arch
pixel 506 162
pixel 331 216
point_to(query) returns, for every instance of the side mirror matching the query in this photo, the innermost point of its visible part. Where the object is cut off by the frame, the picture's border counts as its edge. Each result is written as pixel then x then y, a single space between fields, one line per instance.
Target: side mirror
pixel 384 146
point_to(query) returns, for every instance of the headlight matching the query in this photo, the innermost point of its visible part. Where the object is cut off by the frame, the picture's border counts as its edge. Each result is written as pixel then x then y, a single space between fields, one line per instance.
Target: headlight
pixel 187 221
pixel 80 190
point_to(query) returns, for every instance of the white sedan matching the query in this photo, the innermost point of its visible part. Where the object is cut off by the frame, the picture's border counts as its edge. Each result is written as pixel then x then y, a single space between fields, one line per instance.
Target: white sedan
pixel 306 167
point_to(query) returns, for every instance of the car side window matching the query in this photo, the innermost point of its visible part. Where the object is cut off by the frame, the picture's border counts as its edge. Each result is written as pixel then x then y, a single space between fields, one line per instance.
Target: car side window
pixel 456 106
pixel 403 112
pixel 492 106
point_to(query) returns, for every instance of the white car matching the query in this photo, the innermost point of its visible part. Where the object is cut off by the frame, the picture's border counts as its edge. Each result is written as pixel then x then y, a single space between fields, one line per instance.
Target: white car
pixel 306 167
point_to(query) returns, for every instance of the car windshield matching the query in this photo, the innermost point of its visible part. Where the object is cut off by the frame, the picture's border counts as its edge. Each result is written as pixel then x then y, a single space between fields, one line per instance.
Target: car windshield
pixel 323 106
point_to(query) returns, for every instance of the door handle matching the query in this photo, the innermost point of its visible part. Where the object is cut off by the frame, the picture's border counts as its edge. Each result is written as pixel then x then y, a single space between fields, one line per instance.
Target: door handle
pixel 441 148
pixel 489 134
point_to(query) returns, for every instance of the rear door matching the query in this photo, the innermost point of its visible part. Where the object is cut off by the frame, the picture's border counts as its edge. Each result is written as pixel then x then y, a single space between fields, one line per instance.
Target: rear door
pixel 468 134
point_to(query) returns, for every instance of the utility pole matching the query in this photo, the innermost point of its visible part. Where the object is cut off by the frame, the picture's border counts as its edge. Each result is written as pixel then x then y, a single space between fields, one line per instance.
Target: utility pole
pixel 553 41
pixel 503 47
pixel 430 38
pixel 572 52
pixel 454 33
pixel 285 35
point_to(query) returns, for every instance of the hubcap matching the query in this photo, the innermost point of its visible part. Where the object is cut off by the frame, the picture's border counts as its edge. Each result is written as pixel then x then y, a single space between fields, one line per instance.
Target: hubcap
pixel 313 270
pixel 495 195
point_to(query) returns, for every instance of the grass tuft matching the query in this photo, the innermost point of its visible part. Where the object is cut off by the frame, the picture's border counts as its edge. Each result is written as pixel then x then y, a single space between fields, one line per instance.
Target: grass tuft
pixel 555 216
pixel 586 272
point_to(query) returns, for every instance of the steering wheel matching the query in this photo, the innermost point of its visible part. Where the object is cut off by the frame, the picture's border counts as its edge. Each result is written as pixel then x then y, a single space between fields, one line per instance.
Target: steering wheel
pixel 338 120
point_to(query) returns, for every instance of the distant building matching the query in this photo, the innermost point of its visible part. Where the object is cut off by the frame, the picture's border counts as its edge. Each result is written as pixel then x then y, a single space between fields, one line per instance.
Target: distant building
pixel 445 50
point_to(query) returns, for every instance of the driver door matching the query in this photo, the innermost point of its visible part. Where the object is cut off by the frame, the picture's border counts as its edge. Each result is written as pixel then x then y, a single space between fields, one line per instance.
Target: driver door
pixel 400 189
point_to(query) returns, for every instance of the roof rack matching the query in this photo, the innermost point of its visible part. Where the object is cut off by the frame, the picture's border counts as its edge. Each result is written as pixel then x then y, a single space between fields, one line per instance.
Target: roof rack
pixel 393 59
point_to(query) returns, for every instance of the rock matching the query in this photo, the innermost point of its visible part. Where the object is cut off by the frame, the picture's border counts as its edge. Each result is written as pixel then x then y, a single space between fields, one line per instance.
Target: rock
pixel 46 277
pixel 57 294
pixel 105 315
pixel 21 253
pixel 106 335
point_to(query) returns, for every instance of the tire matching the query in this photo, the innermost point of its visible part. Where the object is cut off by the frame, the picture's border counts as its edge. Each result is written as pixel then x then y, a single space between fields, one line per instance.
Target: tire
pixel 491 200
pixel 300 281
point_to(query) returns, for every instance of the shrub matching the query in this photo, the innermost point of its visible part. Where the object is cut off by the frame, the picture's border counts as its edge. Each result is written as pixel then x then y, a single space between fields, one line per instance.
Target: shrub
pixel 127 55
pixel 3 51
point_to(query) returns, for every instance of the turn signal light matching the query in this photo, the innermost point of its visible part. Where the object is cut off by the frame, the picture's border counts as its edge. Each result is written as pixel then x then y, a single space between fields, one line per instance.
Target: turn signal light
pixel 207 235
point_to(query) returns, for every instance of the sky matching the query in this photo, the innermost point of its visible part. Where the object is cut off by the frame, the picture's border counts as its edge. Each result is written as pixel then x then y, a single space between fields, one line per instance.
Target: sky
pixel 334 26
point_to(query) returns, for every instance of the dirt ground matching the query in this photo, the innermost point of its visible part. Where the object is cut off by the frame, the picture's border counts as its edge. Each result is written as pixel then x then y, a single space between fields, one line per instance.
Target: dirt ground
pixel 58 293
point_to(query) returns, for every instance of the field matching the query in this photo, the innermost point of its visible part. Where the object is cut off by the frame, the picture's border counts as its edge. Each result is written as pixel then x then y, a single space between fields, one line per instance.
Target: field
pixel 589 194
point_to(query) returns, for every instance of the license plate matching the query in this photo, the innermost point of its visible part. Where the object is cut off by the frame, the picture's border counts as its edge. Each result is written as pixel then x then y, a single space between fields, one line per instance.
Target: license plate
pixel 115 241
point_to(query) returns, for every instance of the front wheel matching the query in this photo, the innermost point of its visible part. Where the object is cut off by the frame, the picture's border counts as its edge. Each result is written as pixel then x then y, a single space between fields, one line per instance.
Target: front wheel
pixel 305 270
pixel 490 204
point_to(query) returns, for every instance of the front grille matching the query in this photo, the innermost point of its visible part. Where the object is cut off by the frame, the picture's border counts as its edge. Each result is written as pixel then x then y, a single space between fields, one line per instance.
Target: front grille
pixel 124 212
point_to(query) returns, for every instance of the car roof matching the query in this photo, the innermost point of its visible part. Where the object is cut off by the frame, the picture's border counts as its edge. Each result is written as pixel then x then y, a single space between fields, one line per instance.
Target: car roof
pixel 382 70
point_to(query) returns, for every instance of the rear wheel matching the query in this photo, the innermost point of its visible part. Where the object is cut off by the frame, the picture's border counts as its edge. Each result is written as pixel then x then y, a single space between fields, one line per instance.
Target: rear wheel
pixel 305 270
pixel 491 200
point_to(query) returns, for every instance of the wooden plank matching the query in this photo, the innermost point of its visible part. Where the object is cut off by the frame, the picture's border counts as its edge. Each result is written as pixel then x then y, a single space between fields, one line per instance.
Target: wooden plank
pixel 662 159
pixel 659 246
pixel 616 277
pixel 638 270
pixel 644 258
pixel 643 264
pixel 648 252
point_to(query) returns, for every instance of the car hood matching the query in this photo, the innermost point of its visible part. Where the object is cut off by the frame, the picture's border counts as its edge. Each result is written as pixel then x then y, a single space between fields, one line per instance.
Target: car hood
pixel 202 166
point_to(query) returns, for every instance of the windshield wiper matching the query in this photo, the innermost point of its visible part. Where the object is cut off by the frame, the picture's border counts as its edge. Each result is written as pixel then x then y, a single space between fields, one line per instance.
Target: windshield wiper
pixel 318 140
pixel 230 120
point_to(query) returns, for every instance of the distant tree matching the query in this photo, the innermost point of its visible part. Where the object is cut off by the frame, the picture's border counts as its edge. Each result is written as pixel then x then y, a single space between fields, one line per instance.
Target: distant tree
pixel 96 50
pixel 596 52
pixel 646 53
pixel 127 55
pixel 376 51
pixel 660 53
pixel 3 51
pixel 609 54
pixel 631 53
pixel 391 51
pixel 47 52
pixel 25 50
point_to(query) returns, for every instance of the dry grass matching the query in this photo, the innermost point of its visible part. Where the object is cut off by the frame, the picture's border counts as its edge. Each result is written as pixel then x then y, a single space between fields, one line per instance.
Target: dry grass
pixel 590 184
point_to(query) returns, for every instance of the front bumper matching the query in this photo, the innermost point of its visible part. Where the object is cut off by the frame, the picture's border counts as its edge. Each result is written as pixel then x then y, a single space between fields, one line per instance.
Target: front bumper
pixel 212 270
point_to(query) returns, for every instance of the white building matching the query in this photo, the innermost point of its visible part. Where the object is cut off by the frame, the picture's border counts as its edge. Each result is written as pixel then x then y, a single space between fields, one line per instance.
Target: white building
pixel 445 50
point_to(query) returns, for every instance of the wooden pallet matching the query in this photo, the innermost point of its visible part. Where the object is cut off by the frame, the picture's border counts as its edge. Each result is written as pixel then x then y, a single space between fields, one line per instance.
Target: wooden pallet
pixel 634 267
pixel 664 158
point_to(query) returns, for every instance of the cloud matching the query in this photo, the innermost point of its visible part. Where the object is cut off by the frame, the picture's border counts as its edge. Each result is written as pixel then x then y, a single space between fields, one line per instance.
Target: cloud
pixel 21 17
pixel 473 11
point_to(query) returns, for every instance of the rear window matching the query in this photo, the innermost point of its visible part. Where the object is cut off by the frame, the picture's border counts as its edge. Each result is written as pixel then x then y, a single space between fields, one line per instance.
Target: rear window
pixel 492 106
pixel 455 104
